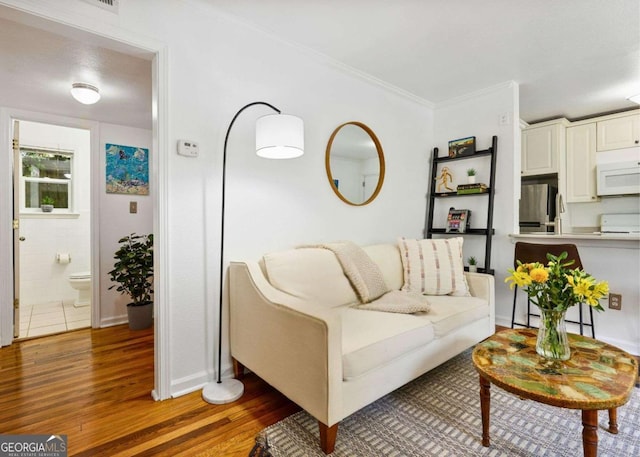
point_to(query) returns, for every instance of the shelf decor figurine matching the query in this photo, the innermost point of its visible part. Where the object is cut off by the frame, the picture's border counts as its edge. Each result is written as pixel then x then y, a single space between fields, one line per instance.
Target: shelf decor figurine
pixel 462 147
pixel 444 179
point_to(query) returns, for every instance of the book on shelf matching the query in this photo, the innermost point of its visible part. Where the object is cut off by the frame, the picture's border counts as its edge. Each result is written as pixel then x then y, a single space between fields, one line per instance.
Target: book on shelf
pixel 478 188
pixel 475 185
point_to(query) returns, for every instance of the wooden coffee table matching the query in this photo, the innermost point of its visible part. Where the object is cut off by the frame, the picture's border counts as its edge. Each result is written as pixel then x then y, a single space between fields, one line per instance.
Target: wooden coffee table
pixel 598 376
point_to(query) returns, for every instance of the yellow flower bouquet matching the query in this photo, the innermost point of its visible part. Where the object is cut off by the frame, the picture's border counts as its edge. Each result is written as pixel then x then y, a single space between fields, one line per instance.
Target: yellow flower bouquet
pixel 554 288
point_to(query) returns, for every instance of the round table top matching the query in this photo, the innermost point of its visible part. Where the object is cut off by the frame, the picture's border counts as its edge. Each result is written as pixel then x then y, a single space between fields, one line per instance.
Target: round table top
pixel 597 376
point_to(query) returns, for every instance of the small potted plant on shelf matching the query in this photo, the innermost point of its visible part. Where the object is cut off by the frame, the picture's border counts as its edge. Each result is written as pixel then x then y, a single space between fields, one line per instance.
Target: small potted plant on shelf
pixel 471 175
pixel 46 204
pixel 473 264
pixel 133 273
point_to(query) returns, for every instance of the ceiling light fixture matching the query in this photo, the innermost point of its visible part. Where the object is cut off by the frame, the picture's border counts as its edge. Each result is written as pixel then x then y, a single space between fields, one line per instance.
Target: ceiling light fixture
pixel 635 98
pixel 85 93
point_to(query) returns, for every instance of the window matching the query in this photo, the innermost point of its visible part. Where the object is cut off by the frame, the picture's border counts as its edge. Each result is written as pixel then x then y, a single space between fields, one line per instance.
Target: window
pixel 46 174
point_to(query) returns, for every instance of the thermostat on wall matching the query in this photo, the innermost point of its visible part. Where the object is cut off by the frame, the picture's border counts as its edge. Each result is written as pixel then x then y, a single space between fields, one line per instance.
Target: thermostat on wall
pixel 188 148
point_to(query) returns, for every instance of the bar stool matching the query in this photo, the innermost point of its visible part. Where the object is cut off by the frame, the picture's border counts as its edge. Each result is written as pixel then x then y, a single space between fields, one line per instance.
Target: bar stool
pixel 534 252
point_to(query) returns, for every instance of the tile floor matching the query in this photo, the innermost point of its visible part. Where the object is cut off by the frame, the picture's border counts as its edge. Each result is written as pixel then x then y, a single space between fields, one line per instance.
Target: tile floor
pixel 53 317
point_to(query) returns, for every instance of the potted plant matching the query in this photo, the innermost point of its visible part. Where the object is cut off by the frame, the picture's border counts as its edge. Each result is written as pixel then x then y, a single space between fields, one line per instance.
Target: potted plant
pixel 473 264
pixel 46 204
pixel 133 273
pixel 471 175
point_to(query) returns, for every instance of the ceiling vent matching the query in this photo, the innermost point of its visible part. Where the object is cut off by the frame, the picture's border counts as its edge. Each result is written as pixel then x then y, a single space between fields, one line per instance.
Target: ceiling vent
pixel 109 5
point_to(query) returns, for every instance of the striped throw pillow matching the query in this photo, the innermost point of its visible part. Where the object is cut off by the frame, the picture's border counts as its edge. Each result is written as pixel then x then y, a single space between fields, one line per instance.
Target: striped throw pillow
pixel 433 266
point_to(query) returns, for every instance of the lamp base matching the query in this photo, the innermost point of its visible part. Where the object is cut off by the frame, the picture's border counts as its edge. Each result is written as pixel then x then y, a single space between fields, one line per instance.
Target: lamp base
pixel 219 393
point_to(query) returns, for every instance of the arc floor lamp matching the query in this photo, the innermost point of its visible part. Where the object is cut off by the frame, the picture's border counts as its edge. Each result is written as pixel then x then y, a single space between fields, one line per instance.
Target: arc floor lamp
pixel 278 136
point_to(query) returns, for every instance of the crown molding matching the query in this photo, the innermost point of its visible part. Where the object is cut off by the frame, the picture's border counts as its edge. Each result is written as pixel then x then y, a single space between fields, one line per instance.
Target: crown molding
pixel 312 54
pixel 476 94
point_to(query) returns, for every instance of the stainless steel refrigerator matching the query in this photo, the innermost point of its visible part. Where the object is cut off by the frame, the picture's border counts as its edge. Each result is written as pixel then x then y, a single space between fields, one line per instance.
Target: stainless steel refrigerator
pixel 537 208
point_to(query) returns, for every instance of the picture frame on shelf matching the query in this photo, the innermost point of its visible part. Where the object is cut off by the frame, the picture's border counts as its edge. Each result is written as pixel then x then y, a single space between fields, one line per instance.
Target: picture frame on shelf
pixel 462 147
pixel 458 220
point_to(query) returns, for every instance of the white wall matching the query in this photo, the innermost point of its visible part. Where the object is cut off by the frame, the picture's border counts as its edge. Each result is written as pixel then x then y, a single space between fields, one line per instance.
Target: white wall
pixel 42 278
pixel 215 67
pixel 115 219
pixel 274 204
pixel 479 115
pixel 619 264
pixel 587 215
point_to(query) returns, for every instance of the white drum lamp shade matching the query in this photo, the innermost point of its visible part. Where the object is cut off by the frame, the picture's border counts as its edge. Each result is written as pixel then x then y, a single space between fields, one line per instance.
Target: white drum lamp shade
pixel 85 93
pixel 279 136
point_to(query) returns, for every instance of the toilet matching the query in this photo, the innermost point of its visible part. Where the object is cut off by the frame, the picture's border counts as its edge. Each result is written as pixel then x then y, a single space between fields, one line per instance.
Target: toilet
pixel 81 281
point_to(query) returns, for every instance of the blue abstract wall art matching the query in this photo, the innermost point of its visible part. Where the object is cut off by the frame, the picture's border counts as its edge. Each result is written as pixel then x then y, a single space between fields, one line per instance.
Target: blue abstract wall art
pixel 127 169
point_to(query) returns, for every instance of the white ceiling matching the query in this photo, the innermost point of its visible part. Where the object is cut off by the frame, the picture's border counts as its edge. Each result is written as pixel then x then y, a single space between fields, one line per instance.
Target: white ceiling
pixel 572 58
pixel 38 67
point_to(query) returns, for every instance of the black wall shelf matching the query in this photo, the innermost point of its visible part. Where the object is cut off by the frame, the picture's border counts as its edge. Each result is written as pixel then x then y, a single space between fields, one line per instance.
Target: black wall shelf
pixel 434 196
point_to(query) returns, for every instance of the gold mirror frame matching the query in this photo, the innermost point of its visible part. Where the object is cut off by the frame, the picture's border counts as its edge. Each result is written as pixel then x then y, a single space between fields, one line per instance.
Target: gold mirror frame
pixel 327 163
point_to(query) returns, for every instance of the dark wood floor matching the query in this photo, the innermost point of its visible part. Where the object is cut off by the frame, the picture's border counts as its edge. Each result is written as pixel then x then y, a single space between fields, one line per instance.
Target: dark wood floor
pixel 94 386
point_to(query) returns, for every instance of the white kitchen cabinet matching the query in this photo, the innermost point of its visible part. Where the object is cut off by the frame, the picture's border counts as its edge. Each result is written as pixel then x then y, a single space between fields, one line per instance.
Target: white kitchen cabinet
pixel 619 132
pixel 581 163
pixel 541 146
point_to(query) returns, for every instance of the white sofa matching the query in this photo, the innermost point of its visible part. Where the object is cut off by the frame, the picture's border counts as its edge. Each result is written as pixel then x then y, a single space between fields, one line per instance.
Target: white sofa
pixel 294 324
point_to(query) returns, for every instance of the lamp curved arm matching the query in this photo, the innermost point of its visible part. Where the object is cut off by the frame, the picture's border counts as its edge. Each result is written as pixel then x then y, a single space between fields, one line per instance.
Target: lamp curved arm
pixel 224 175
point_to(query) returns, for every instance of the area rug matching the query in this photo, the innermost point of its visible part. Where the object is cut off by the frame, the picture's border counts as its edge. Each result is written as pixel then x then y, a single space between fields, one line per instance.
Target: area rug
pixel 438 414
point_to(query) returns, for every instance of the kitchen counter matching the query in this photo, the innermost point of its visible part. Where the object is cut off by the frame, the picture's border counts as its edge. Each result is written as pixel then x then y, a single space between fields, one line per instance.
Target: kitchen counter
pixel 622 240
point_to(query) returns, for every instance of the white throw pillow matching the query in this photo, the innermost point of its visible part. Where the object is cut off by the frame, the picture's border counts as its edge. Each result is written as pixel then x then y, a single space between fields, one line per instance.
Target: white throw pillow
pixel 433 266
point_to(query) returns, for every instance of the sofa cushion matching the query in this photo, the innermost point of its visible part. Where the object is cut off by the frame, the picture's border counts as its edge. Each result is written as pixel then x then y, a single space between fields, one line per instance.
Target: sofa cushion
pixel 449 313
pixel 387 257
pixel 433 266
pixel 397 301
pixel 371 339
pixel 312 274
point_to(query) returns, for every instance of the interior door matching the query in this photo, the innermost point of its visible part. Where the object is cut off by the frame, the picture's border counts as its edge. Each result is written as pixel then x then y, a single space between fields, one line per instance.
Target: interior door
pixel 369 185
pixel 16 229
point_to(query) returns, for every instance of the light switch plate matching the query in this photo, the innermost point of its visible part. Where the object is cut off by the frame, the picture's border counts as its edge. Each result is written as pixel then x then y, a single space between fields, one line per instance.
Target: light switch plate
pixel 133 207
pixel 188 148
pixel 505 119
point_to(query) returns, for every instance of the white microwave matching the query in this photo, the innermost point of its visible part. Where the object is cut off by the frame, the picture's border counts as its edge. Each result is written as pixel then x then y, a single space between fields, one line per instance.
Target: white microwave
pixel 618 178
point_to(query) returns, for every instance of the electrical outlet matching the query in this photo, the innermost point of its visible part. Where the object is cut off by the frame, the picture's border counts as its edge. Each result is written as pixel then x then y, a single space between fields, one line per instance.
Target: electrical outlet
pixel 615 301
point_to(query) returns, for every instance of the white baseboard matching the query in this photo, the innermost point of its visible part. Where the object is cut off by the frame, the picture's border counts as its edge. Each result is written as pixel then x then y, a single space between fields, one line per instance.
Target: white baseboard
pixel 115 320
pixel 189 384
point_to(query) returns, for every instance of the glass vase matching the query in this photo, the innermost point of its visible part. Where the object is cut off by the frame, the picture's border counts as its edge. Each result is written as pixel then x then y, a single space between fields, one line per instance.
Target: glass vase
pixel 552 342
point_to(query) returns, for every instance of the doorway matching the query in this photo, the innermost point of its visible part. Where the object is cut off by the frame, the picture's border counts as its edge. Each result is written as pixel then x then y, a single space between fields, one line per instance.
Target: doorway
pixel 103 35
pixel 52 204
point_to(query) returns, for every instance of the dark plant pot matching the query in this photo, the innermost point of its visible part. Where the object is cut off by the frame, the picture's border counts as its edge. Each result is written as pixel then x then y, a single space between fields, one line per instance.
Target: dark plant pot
pixel 140 317
pixel 46 208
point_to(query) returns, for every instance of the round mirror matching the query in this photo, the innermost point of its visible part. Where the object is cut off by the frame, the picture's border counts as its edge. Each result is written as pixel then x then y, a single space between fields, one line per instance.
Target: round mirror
pixel 355 163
